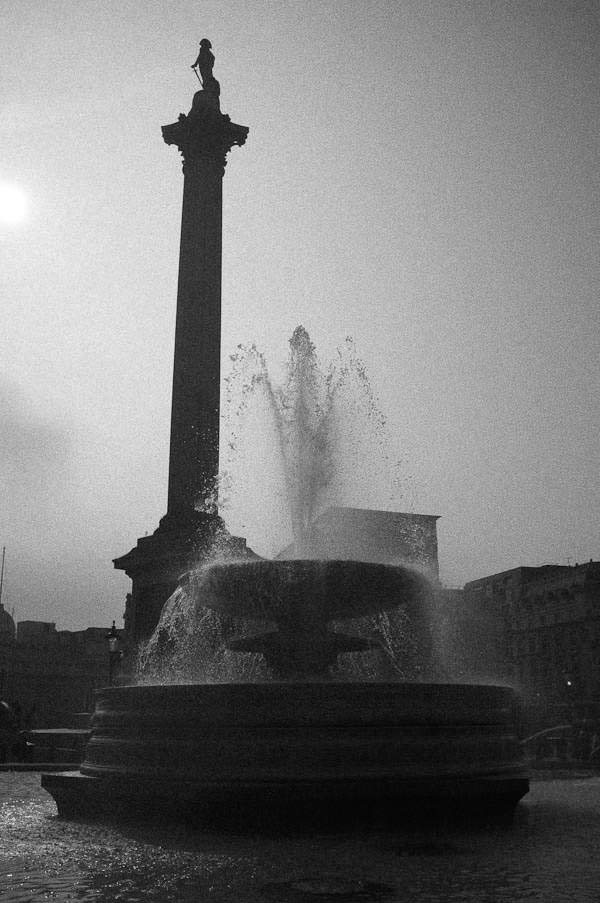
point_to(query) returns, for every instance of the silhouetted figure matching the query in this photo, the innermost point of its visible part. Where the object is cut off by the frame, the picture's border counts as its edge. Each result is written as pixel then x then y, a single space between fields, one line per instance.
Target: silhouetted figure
pixel 204 63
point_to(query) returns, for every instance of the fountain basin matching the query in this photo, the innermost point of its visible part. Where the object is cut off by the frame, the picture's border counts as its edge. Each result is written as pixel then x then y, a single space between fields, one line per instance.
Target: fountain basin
pixel 305 590
pixel 302 597
pixel 194 751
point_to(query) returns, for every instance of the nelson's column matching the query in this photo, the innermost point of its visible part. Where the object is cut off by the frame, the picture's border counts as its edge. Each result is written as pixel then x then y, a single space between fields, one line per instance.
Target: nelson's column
pixel 188 531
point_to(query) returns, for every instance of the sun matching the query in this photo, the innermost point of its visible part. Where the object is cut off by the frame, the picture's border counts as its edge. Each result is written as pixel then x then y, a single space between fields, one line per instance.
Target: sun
pixel 13 204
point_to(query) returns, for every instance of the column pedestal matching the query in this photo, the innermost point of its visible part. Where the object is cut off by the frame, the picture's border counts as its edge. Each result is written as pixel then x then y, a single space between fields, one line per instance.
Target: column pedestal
pixel 157 562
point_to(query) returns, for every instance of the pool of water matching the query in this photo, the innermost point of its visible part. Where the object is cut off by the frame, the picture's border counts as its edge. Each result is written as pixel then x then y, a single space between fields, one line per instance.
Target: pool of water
pixel 549 853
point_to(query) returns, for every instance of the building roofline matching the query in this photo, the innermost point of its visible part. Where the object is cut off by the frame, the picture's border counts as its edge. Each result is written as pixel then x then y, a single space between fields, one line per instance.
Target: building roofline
pixel 529 569
pixel 376 511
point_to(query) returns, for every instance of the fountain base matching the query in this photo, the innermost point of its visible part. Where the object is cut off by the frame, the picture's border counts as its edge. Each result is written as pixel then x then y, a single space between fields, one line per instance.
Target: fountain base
pixel 213 752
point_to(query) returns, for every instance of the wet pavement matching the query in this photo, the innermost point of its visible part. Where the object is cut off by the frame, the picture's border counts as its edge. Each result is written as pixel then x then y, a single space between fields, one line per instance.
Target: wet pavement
pixel 550 853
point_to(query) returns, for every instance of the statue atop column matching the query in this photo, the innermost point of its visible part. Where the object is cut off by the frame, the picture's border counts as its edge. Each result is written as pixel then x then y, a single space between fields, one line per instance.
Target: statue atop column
pixel 205 131
pixel 204 64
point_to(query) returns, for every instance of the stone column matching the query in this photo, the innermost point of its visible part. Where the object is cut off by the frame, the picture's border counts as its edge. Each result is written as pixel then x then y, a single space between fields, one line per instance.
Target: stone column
pixel 188 532
pixel 204 138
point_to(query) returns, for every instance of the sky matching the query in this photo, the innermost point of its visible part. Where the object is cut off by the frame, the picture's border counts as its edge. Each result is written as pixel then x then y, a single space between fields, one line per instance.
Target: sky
pixel 420 175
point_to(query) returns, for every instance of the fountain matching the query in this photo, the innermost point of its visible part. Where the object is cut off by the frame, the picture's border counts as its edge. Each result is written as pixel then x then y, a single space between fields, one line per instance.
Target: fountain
pixel 206 752
pixel 296 740
pixel 303 740
pixel 302 597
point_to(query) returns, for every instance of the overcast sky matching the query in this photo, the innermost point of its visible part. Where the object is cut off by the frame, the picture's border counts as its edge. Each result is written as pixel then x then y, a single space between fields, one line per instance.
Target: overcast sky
pixel 422 176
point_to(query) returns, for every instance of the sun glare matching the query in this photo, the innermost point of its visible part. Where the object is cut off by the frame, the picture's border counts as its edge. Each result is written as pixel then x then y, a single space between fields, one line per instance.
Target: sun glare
pixel 13 204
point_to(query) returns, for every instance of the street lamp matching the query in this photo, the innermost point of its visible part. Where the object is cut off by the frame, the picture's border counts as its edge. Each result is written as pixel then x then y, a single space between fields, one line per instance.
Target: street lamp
pixel 112 638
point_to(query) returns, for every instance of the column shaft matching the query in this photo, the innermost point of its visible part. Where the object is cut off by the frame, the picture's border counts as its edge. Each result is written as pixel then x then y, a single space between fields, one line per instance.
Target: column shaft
pixel 194 449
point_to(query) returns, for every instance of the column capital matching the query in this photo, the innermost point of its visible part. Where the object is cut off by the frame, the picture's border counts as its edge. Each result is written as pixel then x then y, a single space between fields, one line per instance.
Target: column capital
pixel 205 134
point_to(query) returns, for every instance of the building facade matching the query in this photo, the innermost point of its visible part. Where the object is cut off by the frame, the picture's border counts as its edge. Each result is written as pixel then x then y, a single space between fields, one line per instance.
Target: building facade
pixel 50 675
pixel 8 633
pixel 543 631
pixel 367 534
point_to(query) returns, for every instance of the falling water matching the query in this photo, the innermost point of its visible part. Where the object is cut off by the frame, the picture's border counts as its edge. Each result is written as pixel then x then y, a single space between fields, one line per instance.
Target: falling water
pixel 327 441
pixel 322 433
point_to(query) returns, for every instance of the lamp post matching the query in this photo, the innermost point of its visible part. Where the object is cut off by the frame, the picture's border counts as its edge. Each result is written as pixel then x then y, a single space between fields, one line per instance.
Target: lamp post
pixel 112 638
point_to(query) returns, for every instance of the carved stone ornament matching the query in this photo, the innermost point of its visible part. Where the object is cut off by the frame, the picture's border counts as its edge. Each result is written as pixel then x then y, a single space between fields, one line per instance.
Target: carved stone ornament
pixel 205 133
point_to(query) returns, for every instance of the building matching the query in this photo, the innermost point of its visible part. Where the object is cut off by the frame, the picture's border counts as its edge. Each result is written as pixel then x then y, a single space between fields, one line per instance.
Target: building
pixel 364 534
pixel 543 627
pixel 8 634
pixel 52 674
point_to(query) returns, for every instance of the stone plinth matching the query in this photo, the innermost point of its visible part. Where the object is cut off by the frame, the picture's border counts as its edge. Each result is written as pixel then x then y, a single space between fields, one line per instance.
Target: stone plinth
pixel 156 564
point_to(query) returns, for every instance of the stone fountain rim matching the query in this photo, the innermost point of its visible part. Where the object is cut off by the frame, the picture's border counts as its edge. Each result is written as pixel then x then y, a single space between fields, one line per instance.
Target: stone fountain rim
pixel 403 585
pixel 297 686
